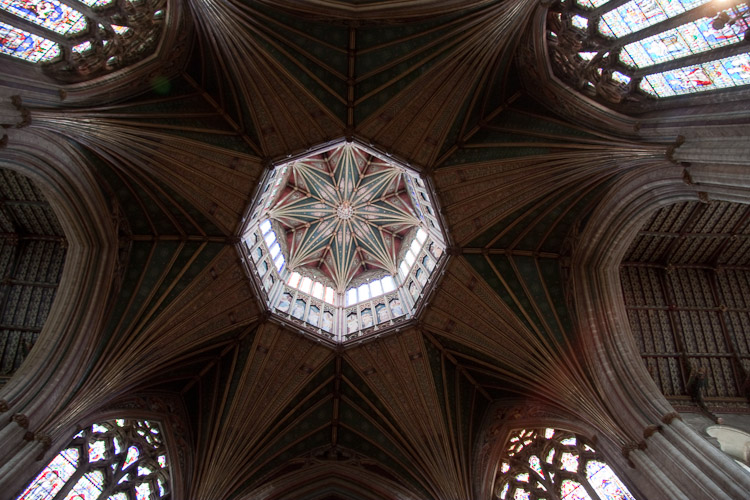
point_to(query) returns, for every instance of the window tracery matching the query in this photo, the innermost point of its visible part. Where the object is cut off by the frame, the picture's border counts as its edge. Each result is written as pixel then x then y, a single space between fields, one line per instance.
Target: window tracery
pixel 115 459
pixel 648 49
pixel 552 464
pixel 74 41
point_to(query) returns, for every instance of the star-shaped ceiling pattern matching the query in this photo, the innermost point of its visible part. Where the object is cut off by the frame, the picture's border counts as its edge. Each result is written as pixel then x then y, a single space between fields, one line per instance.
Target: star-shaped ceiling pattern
pixel 344 212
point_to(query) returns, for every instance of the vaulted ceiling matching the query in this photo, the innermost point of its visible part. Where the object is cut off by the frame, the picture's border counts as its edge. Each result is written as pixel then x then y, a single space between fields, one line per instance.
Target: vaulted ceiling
pixel 343 212
pixel 273 414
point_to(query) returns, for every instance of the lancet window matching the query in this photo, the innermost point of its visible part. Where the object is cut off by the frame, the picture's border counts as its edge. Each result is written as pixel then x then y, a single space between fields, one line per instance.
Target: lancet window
pixel 550 464
pixel 638 50
pixel 75 41
pixel 115 460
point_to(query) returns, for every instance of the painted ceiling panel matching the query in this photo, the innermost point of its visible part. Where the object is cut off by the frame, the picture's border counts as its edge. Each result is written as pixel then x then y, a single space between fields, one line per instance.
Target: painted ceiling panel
pixel 344 212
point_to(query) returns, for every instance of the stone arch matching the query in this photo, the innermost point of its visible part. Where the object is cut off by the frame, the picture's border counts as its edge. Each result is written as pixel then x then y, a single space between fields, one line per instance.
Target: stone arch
pixel 166 410
pixel 79 308
pixel 657 433
pixel 503 420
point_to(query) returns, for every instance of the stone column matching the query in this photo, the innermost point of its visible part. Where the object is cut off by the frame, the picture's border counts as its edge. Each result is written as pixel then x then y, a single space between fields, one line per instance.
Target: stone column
pixel 662 457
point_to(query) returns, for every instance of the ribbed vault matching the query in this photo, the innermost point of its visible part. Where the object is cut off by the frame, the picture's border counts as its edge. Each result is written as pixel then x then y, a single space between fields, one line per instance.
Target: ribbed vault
pixel 272 413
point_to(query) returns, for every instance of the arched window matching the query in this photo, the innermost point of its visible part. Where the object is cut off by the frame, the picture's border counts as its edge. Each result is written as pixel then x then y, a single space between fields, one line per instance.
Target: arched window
pixel 552 464
pixel 649 49
pixel 115 459
pixel 74 46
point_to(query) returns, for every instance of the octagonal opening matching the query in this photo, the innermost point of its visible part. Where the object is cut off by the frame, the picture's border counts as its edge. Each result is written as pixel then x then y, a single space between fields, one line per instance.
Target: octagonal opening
pixel 343 242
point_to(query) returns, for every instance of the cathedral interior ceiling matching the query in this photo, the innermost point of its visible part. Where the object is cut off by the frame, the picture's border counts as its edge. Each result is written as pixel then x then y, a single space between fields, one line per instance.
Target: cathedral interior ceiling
pixel 515 184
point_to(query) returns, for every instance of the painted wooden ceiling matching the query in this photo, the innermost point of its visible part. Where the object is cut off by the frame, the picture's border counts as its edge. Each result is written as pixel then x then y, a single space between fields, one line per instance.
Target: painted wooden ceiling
pixel 273 414
pixel 343 212
pixel 32 253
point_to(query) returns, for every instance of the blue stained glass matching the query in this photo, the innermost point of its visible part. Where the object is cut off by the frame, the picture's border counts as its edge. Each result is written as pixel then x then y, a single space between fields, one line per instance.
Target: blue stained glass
pixel 690 38
pixel 131 457
pixel 536 465
pixel 591 3
pixel 521 495
pixel 571 490
pixel 580 22
pixel 51 480
pixel 728 72
pixel 89 487
pixel 638 14
pixel 24 45
pixel 96 451
pixel 620 78
pixel 82 47
pixel 49 14
pixel 604 481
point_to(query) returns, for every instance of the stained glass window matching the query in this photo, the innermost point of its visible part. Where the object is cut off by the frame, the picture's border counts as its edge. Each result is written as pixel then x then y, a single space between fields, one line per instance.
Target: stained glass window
pixel 571 469
pixel 644 36
pixel 23 45
pixel 49 14
pixel 93 51
pixel 639 14
pixel 116 459
pixel 694 37
pixel 727 72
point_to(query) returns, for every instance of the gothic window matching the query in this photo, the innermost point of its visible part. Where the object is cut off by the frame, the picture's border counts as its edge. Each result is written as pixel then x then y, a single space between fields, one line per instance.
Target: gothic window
pixel 550 464
pixel 76 42
pixel 649 49
pixel 115 459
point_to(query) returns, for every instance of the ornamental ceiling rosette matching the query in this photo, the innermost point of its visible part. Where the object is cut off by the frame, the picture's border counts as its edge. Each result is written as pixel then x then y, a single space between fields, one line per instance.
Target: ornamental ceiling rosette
pixel 343 241
pixel 343 212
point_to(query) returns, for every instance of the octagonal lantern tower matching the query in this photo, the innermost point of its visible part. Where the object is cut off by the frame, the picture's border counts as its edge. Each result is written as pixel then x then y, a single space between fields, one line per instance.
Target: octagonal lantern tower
pixel 343 242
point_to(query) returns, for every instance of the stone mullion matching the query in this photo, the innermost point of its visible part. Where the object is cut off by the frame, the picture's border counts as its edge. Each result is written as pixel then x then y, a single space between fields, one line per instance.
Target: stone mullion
pixel 612 5
pixel 80 470
pixel 97 16
pixel 547 481
pixel 112 476
pixel 739 375
pixel 584 481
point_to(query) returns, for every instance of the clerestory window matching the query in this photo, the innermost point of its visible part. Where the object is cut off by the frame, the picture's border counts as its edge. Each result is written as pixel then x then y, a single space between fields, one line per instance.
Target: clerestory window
pixel 640 50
